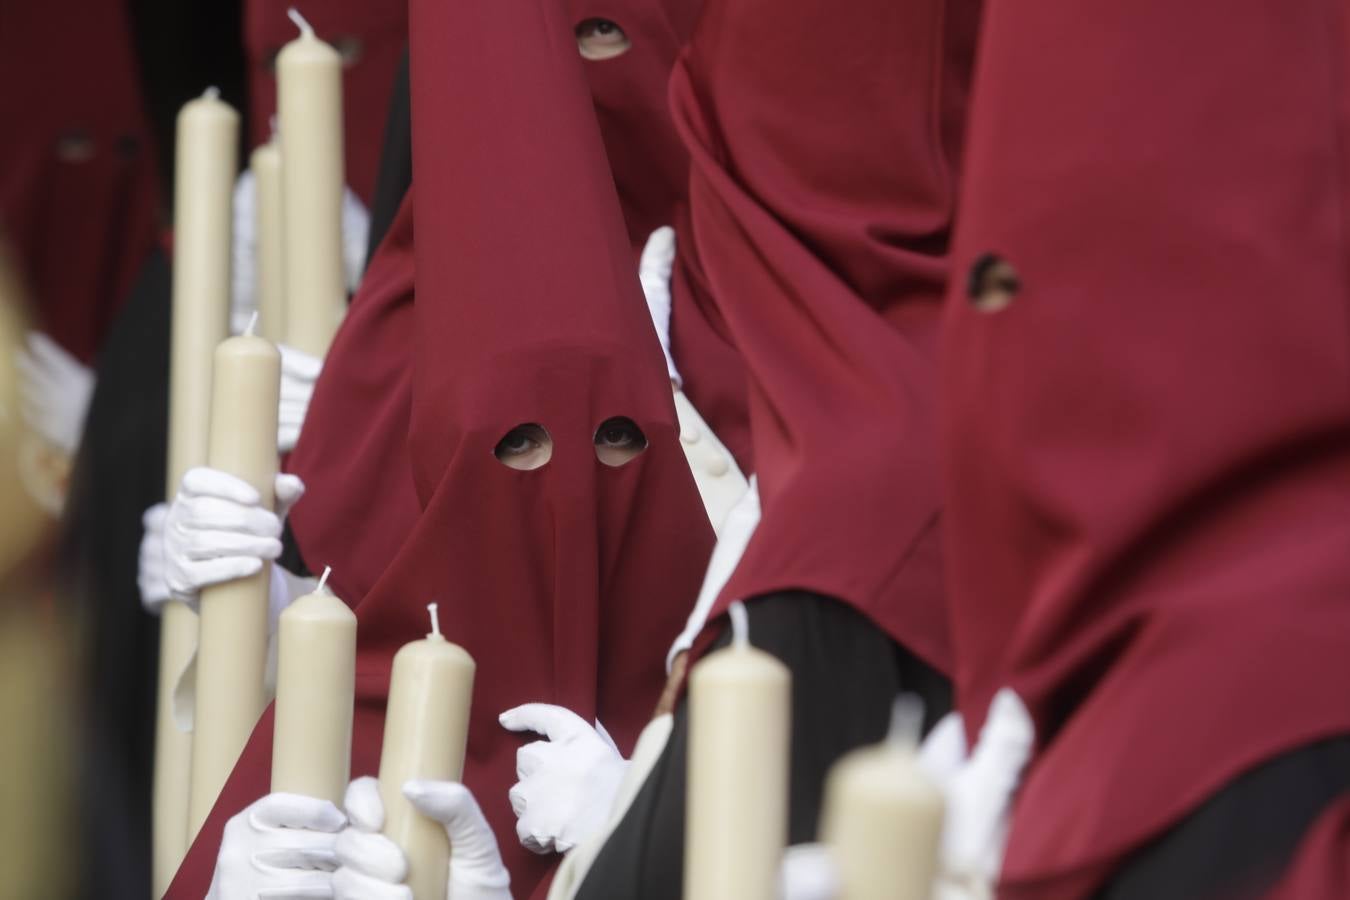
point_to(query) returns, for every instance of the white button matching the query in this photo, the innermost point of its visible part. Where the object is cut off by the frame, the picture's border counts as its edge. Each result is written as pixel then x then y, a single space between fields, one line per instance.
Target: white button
pixel 690 435
pixel 717 467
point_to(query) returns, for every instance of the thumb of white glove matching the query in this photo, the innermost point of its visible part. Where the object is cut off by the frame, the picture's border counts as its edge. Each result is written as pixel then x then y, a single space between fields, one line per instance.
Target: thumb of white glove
pixel 371 867
pixel 55 391
pixel 280 848
pixel 299 373
pixel 152 575
pixel 567 783
pixel 654 268
pixel 476 870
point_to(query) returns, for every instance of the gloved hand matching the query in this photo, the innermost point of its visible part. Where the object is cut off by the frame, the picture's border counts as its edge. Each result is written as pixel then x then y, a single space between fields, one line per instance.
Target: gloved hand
pixel 567 783
pixel 217 530
pixel 299 372
pixel 56 389
pixel 808 873
pixel 979 787
pixel 654 268
pixel 244 247
pixel 152 574
pixel 280 848
pixel 372 867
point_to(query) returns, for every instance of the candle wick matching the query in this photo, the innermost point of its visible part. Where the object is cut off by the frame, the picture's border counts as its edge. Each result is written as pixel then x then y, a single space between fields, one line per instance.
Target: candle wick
pixel 300 22
pixel 435 620
pixel 211 93
pixel 740 625
pixel 252 322
pixel 323 579
pixel 906 721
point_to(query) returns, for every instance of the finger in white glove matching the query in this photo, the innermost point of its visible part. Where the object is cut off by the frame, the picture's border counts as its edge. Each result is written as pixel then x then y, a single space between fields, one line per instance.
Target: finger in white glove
pixel 371 867
pixel 55 391
pixel 299 373
pixel 654 268
pixel 476 870
pixel 808 873
pixel 567 783
pixel 217 530
pixel 279 848
pixel 152 574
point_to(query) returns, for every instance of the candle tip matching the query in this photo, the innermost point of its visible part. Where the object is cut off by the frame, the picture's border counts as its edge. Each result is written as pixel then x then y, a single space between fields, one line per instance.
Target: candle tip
pixel 740 625
pixel 252 323
pixel 906 721
pixel 323 579
pixel 435 620
pixel 306 30
pixel 211 93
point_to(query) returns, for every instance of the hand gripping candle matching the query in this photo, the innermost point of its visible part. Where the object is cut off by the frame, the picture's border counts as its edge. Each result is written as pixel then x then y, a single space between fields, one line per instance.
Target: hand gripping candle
pixel 737 790
pixel 316 677
pixel 232 645
pixel 426 728
pixel 309 112
pixel 206 155
pixel 883 816
pixel 271 287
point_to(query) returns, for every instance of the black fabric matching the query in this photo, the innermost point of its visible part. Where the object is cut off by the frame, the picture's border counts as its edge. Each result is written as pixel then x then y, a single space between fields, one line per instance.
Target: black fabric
pixel 846 674
pixel 395 175
pixel 119 474
pixel 1239 843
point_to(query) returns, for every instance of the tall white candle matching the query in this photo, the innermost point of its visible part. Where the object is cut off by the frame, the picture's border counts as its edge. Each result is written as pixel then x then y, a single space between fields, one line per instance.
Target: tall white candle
pixel 316 677
pixel 309 104
pixel 426 731
pixel 883 816
pixel 737 789
pixel 232 652
pixel 271 287
pixel 206 158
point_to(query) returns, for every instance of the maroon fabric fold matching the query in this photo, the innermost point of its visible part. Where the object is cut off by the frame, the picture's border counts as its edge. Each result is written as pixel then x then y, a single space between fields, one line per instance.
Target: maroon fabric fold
pixel 823 189
pixel 1149 449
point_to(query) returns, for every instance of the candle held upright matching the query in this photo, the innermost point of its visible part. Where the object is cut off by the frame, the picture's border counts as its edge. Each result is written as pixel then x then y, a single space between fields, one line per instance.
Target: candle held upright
pixel 316 680
pixel 232 651
pixel 309 111
pixel 883 816
pixel 426 730
pixel 270 263
pixel 206 157
pixel 737 787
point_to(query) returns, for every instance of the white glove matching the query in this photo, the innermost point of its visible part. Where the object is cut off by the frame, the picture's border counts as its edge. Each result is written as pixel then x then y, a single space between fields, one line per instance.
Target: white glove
pixel 299 372
pixel 808 873
pixel 244 247
pixel 654 267
pixel 567 783
pixel 56 389
pixel 372 867
pixel 152 574
pixel 280 848
pixel 217 530
pixel 979 787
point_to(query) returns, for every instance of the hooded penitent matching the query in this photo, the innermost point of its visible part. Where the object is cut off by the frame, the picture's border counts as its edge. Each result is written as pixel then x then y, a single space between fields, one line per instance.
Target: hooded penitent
pixel 1149 445
pixel 371 36
pixel 78 198
pixel 822 191
pixel 568 581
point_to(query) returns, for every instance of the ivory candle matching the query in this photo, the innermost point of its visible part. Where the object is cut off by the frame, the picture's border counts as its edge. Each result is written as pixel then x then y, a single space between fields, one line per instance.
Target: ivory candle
pixel 266 165
pixel 883 816
pixel 316 677
pixel 206 157
pixel 309 104
pixel 426 729
pixel 737 791
pixel 232 651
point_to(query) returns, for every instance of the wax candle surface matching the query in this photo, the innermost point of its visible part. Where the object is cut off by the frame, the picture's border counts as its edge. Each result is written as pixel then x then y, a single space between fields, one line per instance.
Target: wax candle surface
pixel 271 288
pixel 425 731
pixel 232 651
pixel 316 677
pixel 206 157
pixel 737 789
pixel 309 105
pixel 883 821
